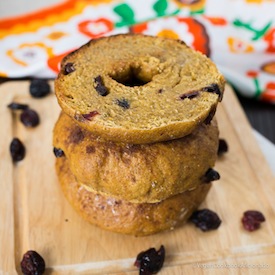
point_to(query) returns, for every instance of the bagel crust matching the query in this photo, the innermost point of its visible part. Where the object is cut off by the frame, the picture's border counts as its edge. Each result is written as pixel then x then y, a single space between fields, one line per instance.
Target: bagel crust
pixel 124 217
pixel 137 173
pixel 138 89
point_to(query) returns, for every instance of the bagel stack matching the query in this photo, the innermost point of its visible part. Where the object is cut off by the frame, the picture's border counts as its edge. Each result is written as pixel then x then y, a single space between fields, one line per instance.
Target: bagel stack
pixel 137 132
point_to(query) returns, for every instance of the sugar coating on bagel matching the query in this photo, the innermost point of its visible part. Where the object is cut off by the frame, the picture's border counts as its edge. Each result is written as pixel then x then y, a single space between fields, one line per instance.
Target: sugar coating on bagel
pixel 137 172
pixel 139 219
pixel 138 89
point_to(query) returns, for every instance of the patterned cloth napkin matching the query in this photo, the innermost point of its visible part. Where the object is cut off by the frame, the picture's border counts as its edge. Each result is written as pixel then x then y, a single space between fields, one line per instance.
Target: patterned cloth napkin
pixel 238 35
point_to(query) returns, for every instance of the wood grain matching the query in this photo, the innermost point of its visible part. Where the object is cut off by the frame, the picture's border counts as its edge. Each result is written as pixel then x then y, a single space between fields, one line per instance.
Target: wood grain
pixel 35 215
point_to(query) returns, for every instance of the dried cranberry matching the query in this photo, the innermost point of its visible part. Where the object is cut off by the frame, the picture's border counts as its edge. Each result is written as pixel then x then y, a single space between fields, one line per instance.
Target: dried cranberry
pixel 18 106
pixel 58 152
pixel 205 219
pixel 160 91
pixel 29 118
pixel 211 175
pixel 100 87
pixel 189 95
pixel 90 115
pixel 123 103
pixel 214 88
pixel 39 88
pixel 252 220
pixel 150 261
pixel 17 150
pixel 32 263
pixel 69 68
pixel 223 147
pixel 210 115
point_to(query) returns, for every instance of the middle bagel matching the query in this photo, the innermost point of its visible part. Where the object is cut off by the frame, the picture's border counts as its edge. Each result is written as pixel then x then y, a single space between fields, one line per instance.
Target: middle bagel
pixel 137 173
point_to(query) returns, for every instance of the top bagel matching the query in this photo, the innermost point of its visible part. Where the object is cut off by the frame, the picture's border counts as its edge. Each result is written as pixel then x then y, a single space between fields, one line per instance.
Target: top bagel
pixel 138 89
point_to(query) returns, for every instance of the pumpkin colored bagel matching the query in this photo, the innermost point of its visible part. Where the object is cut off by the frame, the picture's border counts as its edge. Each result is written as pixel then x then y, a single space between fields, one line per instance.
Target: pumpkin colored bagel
pixel 138 89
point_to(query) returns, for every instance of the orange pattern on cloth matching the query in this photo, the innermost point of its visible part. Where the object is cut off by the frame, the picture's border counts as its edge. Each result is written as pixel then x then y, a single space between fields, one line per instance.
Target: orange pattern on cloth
pixel 45 17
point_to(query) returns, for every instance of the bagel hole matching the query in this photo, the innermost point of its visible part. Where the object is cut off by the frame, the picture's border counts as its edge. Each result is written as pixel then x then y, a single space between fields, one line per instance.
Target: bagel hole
pixel 132 76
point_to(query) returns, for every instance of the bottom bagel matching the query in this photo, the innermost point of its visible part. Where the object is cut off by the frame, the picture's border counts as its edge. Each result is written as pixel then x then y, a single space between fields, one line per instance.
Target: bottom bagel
pixel 139 219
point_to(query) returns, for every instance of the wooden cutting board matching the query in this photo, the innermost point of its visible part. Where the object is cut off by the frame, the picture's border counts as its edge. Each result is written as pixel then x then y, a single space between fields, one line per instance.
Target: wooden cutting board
pixel 35 215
